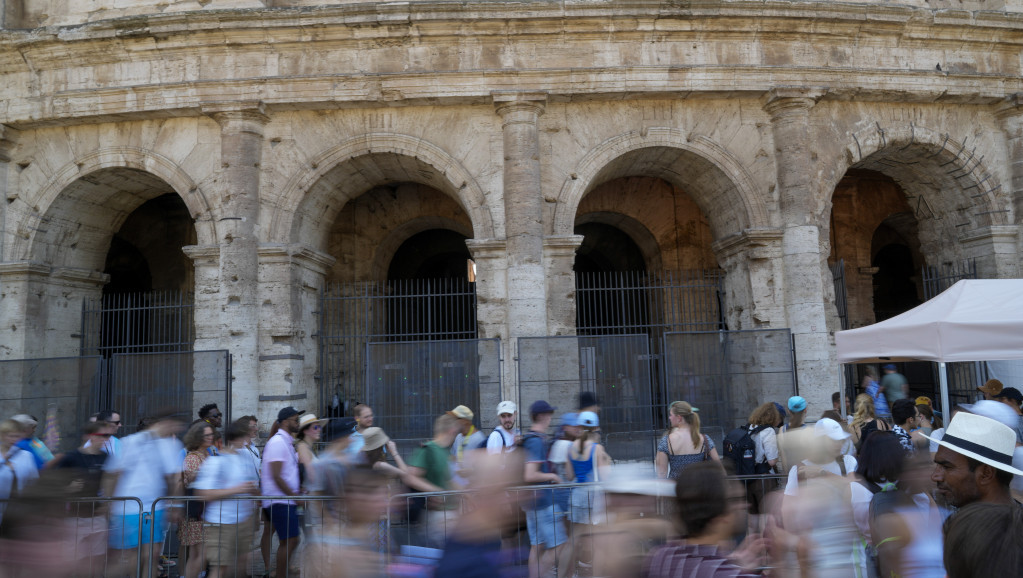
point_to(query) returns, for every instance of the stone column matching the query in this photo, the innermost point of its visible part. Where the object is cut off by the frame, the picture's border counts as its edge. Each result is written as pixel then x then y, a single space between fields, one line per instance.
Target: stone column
pixel 808 299
pixel 491 258
pixel 8 140
pixel 559 266
pixel 241 150
pixel 754 274
pixel 1010 113
pixel 523 206
pixel 290 278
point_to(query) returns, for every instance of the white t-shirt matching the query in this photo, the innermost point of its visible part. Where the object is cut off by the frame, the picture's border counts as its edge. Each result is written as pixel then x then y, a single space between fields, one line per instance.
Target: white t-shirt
pixel 505 443
pixel 792 485
pixel 766 443
pixel 559 451
pixel 24 467
pixel 144 462
pixel 219 473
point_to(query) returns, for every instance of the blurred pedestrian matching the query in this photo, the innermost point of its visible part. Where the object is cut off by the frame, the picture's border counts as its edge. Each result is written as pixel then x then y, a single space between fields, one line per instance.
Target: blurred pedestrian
pixel 147 467
pixel 894 384
pixel 375 440
pixel 906 418
pixel 865 420
pixel 928 420
pixel 30 443
pixel 848 447
pixel 797 414
pixel 363 415
pixel 683 444
pixel 87 521
pixel 348 545
pixel 191 535
pixel 113 421
pixel 766 454
pixel 991 388
pixel 878 469
pixel 229 522
pixel 709 522
pixel 468 440
pixel 875 390
pixel 18 468
pixel 906 528
pixel 1012 397
pixel 984 541
pixel 279 481
pixel 429 470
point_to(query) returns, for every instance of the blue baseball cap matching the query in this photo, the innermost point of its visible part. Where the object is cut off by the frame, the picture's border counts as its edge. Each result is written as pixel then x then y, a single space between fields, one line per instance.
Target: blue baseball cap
pixel 890 366
pixel 569 419
pixel 781 410
pixel 541 406
pixel 796 404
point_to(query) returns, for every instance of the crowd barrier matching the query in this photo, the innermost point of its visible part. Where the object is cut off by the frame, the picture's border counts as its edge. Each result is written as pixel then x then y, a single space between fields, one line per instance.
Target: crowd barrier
pixel 406 538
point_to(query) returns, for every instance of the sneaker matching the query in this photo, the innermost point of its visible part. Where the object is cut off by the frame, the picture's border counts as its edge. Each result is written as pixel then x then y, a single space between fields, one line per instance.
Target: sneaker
pixel 167 562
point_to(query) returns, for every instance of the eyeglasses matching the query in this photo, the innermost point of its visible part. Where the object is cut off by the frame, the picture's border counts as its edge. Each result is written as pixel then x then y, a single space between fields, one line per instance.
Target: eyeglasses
pixel 316 427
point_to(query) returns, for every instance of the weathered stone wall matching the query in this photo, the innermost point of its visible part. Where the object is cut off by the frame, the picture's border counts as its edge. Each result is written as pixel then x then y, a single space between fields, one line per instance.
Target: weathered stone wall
pixel 284 127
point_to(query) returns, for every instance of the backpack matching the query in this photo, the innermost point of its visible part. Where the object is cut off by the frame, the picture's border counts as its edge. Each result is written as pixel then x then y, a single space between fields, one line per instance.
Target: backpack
pixel 740 448
pixel 483 444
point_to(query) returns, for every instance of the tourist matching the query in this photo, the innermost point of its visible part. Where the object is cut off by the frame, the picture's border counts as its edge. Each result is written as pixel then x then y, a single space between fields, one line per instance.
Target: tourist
pixel 984 541
pixel 30 443
pixel 506 437
pixel 974 461
pixel 875 390
pixel 683 443
pixel 879 466
pixel 906 526
pixel 929 421
pixel 587 462
pixel 991 389
pixel 865 420
pixel 547 535
pixel 375 440
pixel 906 417
pixel 894 385
pixel 191 534
pixel 229 522
pixel 797 414
pixel 468 440
pixel 279 479
pixel 18 467
pixel 309 431
pixel 147 467
pixel 766 454
pixel 430 471
pixel 848 448
pixel 1012 397
pixel 87 521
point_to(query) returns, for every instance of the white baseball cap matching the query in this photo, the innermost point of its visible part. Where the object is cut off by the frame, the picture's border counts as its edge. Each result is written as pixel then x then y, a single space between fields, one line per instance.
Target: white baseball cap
pixel 506 407
pixel 829 427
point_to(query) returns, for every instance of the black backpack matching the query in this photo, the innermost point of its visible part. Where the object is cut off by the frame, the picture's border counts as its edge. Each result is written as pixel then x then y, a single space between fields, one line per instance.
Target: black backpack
pixel 742 450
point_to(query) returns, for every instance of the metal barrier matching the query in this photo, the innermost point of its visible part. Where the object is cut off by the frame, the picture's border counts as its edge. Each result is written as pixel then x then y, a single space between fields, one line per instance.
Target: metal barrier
pixel 47 535
pixel 403 533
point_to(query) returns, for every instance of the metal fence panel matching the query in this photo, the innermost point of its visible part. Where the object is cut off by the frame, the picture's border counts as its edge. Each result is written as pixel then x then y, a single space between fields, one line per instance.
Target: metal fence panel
pixel 34 386
pixel 156 321
pixel 411 383
pixel 143 383
pixel 617 368
pixel 353 315
pixel 728 373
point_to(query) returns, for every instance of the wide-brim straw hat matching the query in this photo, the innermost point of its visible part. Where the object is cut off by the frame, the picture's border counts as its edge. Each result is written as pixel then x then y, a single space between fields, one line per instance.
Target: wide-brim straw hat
pixel 982 439
pixel 374 438
pixel 309 419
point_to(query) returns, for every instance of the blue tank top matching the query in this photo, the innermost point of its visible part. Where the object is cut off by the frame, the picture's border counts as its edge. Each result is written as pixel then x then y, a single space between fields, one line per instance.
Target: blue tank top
pixel 583 468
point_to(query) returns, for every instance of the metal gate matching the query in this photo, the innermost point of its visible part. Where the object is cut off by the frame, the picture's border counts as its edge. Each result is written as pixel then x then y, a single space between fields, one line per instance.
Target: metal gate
pixel 727 374
pixel 963 377
pixel 353 315
pixel 652 304
pixel 144 346
pixel 413 382
pixel 617 368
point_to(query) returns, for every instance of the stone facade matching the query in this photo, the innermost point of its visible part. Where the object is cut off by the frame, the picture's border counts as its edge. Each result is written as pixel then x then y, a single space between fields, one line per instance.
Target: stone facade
pixel 308 139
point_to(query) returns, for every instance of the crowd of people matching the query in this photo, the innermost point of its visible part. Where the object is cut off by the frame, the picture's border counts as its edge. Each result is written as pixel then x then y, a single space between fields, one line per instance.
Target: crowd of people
pixel 862 493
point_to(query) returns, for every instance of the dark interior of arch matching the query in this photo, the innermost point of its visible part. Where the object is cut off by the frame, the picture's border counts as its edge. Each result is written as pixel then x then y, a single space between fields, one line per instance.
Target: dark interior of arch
pixel 430 272
pixel 145 256
pixel 895 291
pixel 609 269
pixel 433 254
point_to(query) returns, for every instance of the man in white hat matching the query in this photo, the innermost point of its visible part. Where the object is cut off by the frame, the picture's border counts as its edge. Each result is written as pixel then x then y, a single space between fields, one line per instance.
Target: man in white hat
pixel 974 461
pixel 506 436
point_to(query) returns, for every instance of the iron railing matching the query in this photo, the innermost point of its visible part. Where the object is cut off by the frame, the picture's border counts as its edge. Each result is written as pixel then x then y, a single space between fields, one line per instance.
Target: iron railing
pixel 157 321
pixel 353 315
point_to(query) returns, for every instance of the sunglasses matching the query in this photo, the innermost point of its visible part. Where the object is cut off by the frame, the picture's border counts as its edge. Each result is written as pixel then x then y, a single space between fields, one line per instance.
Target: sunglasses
pixel 316 427
pixel 216 415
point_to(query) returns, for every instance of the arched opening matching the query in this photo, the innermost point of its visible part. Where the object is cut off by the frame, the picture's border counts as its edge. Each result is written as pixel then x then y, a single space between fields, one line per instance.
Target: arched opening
pixel 895 280
pixel 147 305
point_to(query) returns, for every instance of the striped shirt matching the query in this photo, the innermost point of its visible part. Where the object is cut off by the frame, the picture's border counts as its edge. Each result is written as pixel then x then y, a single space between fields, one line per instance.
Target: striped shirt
pixel 682 560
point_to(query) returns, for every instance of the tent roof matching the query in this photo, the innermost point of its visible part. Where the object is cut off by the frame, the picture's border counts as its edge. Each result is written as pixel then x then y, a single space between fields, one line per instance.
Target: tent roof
pixel 973 320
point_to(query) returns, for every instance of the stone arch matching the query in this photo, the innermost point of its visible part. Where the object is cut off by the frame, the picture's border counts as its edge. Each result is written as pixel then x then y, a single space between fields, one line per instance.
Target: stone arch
pixel 722 188
pixel 924 161
pixel 309 201
pixel 54 233
pixel 637 231
pixel 386 250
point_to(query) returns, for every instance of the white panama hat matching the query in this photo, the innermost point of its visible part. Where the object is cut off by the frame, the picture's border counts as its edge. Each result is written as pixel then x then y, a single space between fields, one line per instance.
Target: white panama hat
pixel 982 439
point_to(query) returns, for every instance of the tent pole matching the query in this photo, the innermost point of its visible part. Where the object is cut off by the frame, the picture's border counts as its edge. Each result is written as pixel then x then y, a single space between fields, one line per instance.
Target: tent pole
pixel 842 385
pixel 946 409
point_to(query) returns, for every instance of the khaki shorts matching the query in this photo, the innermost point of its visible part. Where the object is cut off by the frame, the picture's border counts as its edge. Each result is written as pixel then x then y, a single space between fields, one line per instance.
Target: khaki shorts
pixel 227 544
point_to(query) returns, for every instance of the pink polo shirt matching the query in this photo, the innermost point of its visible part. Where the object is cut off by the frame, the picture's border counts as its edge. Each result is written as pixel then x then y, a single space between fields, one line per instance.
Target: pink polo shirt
pixel 280 448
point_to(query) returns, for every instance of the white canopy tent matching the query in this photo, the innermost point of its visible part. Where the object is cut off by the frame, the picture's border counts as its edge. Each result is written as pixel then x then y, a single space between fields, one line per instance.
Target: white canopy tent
pixel 973 320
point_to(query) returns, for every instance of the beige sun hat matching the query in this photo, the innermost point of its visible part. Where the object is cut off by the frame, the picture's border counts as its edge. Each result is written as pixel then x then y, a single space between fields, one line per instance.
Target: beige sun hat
pixel 309 419
pixel 374 438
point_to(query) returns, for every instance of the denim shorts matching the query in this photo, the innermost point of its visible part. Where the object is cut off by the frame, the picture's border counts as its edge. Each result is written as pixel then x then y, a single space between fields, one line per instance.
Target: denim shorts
pixel 124 529
pixel 544 528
